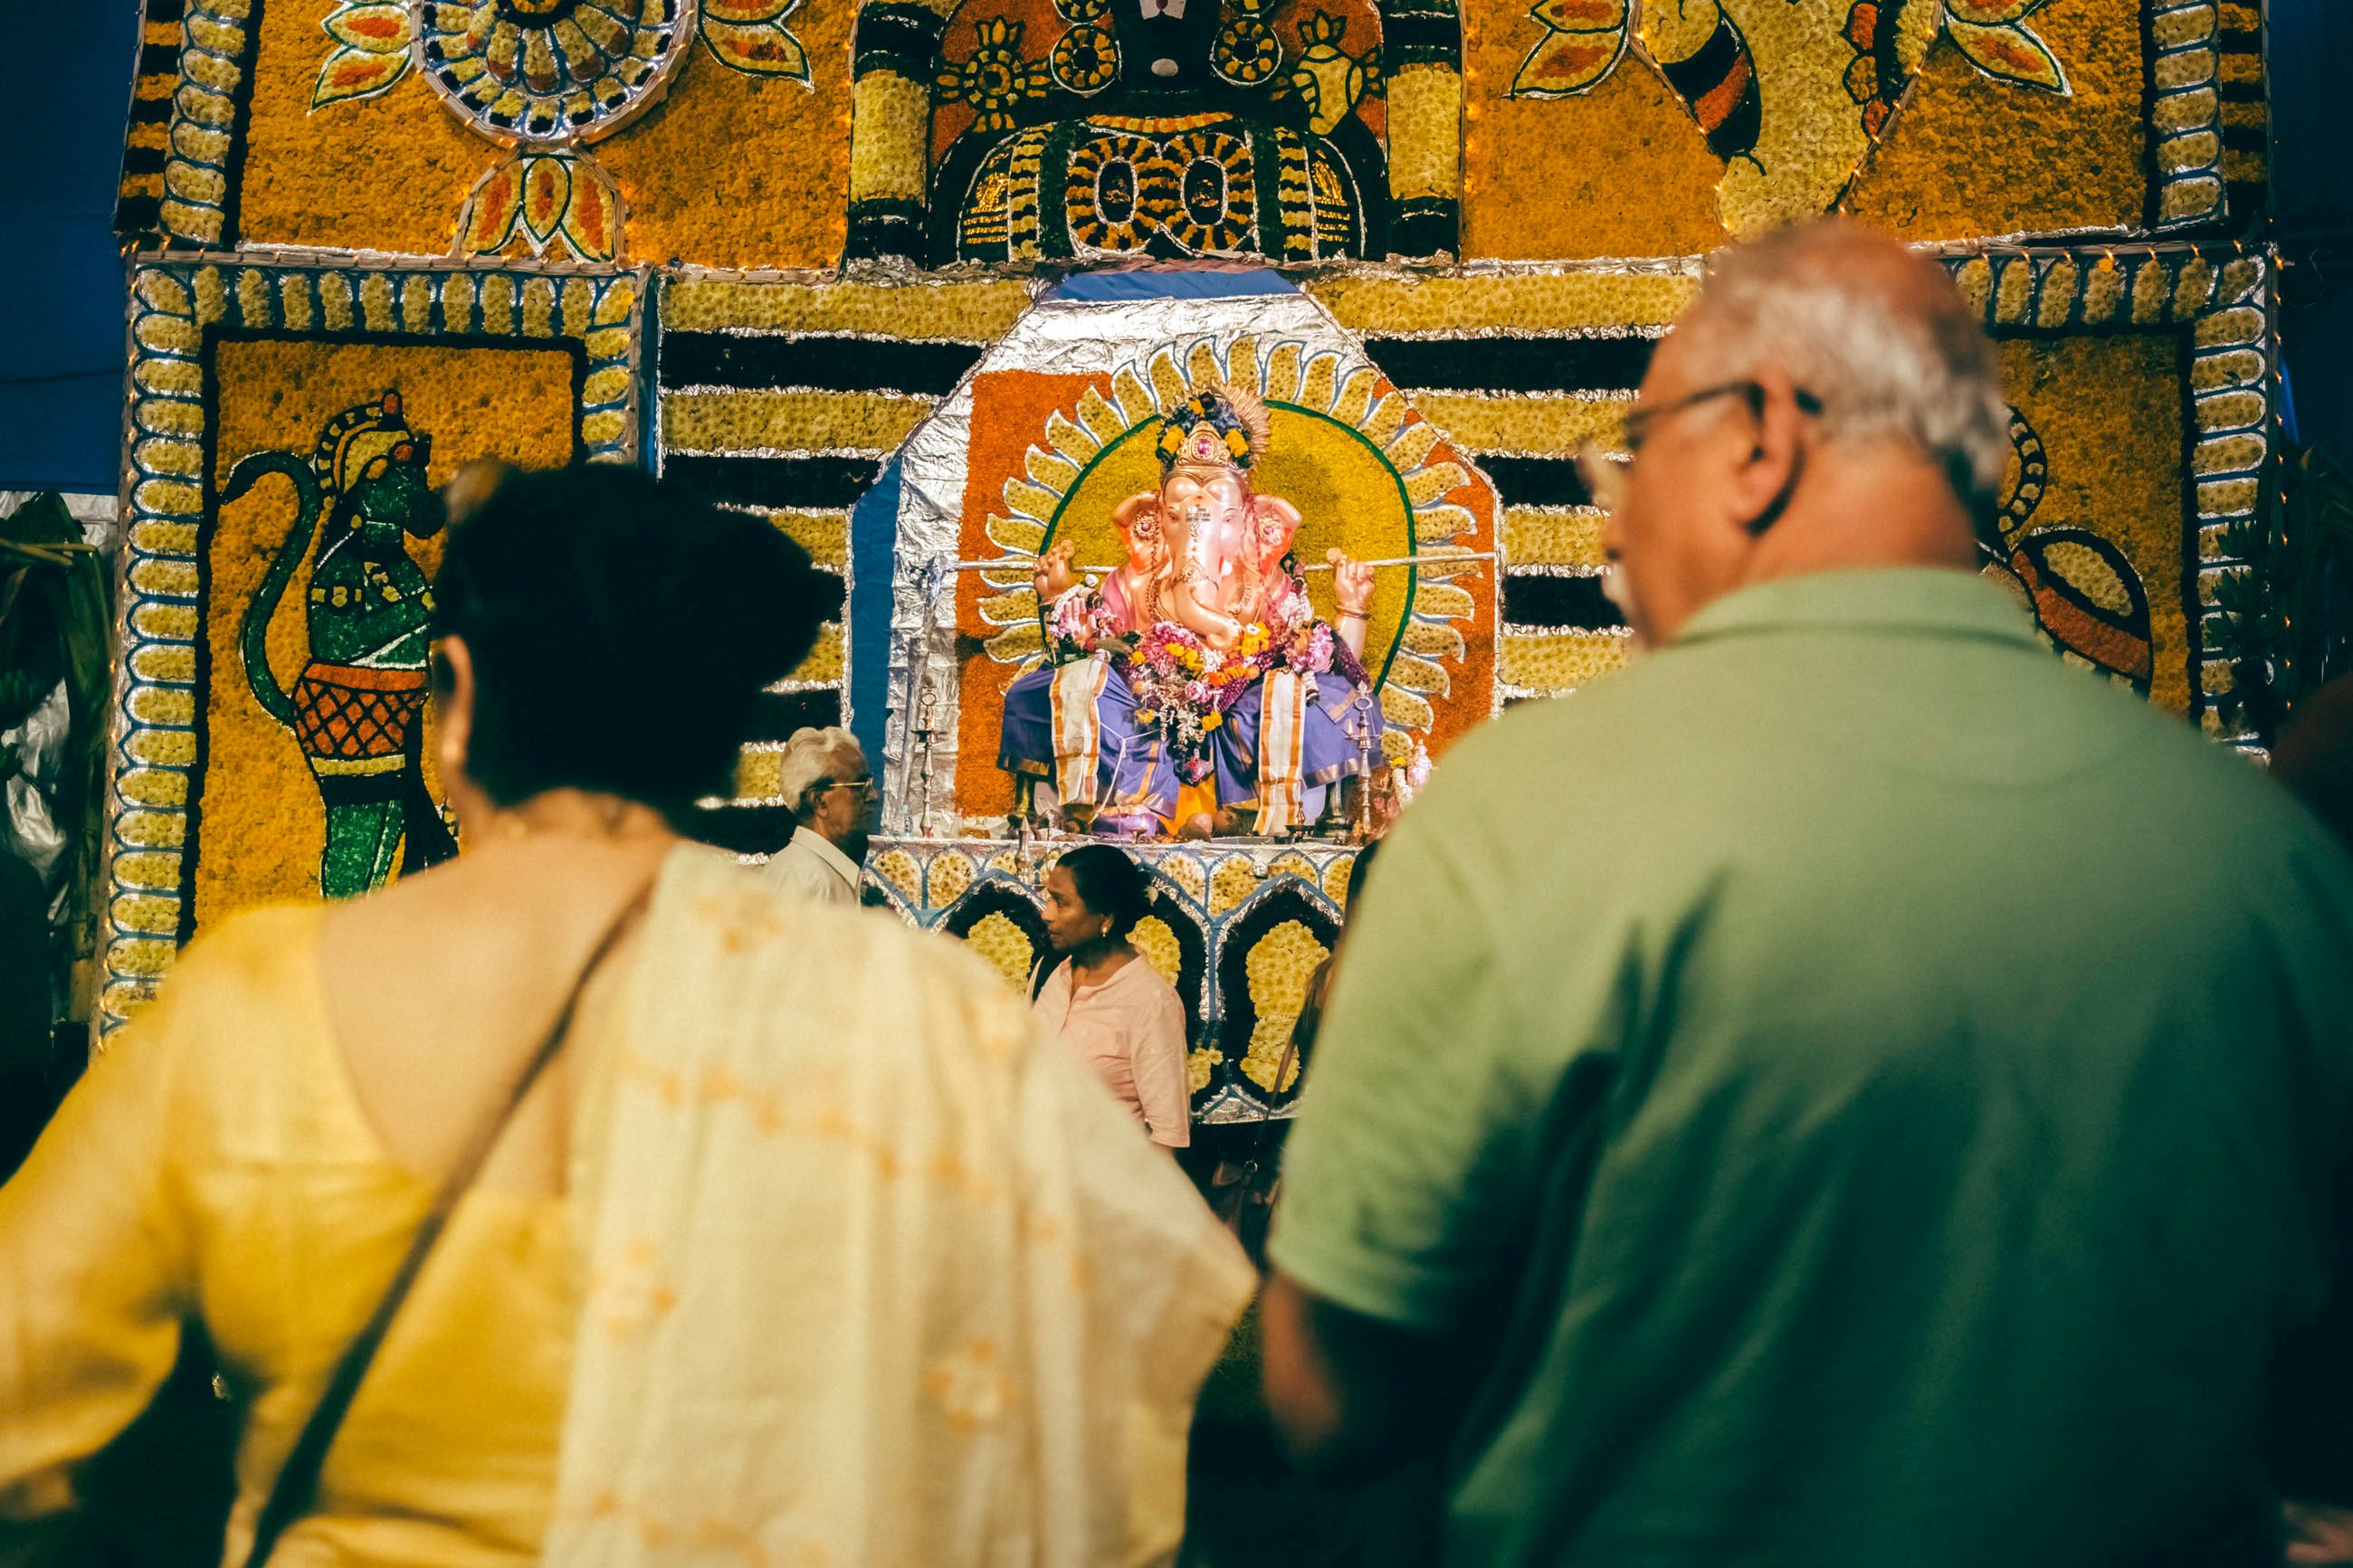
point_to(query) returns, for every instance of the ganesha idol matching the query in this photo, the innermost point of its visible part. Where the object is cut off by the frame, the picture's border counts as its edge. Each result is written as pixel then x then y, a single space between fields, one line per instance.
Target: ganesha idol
pixel 1194 684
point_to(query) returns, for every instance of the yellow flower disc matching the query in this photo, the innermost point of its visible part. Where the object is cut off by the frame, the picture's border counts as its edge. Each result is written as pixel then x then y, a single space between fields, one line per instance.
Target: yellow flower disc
pixel 1280 967
pixel 1157 943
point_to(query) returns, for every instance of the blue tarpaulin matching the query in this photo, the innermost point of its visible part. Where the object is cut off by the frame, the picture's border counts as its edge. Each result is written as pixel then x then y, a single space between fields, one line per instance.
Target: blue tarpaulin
pixel 61 343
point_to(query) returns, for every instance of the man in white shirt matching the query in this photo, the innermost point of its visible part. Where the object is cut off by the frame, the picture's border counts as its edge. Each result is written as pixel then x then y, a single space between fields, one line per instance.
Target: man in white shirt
pixel 831 790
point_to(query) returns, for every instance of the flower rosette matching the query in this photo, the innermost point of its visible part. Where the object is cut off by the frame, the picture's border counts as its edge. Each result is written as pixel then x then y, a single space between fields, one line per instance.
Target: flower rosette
pixel 549 71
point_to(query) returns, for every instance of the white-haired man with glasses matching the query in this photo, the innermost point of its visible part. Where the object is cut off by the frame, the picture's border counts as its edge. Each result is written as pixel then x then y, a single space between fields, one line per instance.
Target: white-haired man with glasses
pixel 1848 1089
pixel 831 790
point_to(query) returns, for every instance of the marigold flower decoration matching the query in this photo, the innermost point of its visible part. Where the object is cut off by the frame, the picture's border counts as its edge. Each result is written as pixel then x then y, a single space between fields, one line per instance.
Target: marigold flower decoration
pixel 994 79
pixel 1086 59
pixel 545 78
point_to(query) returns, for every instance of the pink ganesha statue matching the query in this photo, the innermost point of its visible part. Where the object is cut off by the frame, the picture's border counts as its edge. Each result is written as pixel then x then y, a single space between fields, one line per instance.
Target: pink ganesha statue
pixel 1195 682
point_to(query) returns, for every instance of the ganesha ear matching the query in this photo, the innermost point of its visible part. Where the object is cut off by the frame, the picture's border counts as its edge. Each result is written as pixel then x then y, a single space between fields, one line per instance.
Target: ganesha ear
pixel 1143 504
pixel 1278 509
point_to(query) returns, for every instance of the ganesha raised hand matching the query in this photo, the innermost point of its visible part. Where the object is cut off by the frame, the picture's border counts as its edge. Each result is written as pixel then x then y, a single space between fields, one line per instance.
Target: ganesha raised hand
pixel 1352 583
pixel 1053 576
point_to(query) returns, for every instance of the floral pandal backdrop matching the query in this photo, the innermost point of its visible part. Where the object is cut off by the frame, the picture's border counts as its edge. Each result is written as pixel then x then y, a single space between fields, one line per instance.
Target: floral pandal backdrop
pixel 372 239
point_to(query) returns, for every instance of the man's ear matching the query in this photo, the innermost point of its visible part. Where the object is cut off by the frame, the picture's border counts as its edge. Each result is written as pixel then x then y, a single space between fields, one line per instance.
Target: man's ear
pixel 1767 472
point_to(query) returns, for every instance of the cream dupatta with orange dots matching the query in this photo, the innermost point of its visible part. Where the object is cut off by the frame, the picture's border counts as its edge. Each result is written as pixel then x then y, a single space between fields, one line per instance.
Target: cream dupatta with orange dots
pixel 878 1276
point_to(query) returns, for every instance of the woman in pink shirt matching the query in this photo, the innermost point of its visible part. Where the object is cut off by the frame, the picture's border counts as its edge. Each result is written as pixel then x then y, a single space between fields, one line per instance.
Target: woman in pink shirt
pixel 1104 1001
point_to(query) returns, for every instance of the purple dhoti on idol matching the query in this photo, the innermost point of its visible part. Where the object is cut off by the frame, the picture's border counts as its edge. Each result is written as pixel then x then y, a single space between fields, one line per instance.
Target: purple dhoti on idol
pixel 1196 681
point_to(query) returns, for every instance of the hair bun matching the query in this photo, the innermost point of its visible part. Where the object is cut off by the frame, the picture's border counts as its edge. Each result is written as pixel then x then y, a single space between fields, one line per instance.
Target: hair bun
pixel 621 631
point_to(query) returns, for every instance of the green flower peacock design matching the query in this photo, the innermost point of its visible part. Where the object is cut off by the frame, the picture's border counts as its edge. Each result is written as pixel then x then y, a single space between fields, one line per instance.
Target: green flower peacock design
pixel 357 708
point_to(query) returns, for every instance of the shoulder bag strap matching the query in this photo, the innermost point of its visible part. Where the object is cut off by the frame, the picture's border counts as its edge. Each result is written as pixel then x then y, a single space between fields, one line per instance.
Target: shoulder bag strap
pixel 298 1482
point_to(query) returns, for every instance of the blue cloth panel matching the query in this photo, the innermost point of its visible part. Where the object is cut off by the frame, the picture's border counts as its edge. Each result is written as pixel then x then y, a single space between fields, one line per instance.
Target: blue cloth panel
pixel 873 566
pixel 61 126
pixel 1207 283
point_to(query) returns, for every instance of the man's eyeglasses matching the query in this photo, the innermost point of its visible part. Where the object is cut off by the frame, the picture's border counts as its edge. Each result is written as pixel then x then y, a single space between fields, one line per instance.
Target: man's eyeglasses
pixel 1605 471
pixel 864 786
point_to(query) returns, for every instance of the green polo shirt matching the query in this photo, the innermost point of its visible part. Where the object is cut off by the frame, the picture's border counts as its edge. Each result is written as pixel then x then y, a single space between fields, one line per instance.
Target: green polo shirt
pixel 1870 1089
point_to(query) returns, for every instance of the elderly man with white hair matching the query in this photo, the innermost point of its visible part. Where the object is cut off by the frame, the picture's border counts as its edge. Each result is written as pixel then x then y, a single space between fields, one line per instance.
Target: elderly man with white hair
pixel 1848 1089
pixel 831 791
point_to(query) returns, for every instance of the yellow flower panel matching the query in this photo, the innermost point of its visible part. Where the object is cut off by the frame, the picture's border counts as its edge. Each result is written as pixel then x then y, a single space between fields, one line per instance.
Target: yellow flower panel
pixel 898 868
pixel 161 748
pixel 264 827
pixel 1005 945
pixel 1292 864
pixel 1620 171
pixel 1234 879
pixel 1157 942
pixel 1552 425
pixel 2107 411
pixel 152 786
pixel 1425 108
pixel 823 665
pixel 1186 873
pixel 1279 967
pixel 386 173
pixel 157 871
pixel 1540 303
pixel 759 776
pixel 949 874
pixel 1556 661
pixel 1536 536
pixel 141 955
pixel 1200 1067
pixel 1967 155
pixel 958 312
pixel 392 171
pixel 824 535
pixel 151 830
pixel 153 707
pixel 746 421
pixel 146 914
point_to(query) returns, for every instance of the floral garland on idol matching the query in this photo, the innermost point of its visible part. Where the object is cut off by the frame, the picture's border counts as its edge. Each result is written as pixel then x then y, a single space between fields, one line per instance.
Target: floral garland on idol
pixel 1183 686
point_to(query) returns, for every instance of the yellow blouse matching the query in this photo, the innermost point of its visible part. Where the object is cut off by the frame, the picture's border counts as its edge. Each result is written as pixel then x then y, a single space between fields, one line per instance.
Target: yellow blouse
pixel 215 1162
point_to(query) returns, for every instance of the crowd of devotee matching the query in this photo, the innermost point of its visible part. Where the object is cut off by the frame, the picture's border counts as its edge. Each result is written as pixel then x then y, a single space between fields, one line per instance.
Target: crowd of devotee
pixel 1848 1089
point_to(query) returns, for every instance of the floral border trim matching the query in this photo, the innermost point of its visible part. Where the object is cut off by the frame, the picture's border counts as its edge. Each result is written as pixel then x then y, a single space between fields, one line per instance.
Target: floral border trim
pixel 2220 297
pixel 2184 114
pixel 178 183
pixel 168 409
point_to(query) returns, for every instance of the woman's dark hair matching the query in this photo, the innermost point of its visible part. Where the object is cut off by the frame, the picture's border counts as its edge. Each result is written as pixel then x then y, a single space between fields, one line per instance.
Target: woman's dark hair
pixel 1110 883
pixel 1357 870
pixel 620 632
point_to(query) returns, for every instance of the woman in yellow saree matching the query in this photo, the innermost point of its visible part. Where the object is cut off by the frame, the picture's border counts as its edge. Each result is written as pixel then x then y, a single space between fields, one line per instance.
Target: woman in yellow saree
pixel 808 1247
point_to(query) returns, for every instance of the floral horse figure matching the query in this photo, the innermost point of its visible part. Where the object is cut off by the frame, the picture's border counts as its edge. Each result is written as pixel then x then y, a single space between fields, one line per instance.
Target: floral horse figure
pixel 1196 682
pixel 356 709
